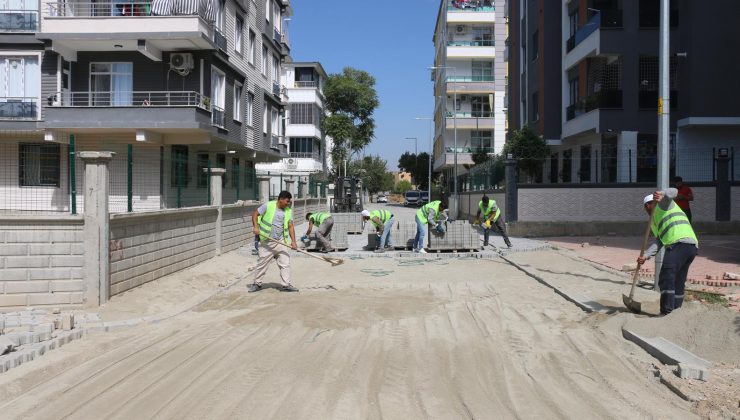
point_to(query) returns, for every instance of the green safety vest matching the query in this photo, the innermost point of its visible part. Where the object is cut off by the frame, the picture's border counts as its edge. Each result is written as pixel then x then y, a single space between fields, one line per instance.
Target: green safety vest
pixel 423 212
pixel 491 205
pixel 383 215
pixel 318 218
pixel 672 225
pixel 265 221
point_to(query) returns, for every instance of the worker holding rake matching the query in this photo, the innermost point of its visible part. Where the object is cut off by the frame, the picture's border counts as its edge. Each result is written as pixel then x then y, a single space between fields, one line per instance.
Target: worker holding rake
pixel 273 223
pixel 491 217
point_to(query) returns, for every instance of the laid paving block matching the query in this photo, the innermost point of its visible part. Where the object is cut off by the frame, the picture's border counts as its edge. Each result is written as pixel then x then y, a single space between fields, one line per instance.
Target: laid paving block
pixel 6 345
pixel 68 322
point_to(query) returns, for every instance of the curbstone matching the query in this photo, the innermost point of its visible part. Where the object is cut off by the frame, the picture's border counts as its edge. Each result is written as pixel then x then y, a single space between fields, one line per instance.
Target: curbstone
pixel 687 371
pixel 666 351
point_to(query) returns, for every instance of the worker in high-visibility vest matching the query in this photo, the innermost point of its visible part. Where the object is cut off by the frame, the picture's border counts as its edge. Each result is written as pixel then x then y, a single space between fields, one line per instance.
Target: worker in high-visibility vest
pixel 491 217
pixel 325 223
pixel 274 220
pixel 428 214
pixel 383 221
pixel 673 232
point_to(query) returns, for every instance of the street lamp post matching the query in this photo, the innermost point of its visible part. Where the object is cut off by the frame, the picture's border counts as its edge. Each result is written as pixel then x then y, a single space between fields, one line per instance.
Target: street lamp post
pixel 416 157
pixel 431 153
pixel 454 125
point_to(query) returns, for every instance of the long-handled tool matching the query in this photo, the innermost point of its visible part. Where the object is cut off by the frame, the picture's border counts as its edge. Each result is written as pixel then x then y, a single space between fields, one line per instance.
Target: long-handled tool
pixel 333 261
pixel 629 301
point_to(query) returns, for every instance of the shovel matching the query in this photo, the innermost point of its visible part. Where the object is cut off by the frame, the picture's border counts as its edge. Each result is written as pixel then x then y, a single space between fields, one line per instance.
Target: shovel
pixel 333 261
pixel 629 301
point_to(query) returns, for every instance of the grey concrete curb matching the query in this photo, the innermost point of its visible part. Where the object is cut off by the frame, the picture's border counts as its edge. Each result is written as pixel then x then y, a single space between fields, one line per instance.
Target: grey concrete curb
pixel 690 365
pixel 38 349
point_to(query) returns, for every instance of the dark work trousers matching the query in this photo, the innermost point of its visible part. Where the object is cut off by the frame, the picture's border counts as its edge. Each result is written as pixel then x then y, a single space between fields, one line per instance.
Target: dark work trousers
pixel 501 227
pixel 672 280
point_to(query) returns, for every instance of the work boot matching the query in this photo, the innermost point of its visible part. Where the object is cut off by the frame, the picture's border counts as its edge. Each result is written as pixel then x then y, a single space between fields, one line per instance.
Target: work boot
pixel 509 244
pixel 254 287
pixel 289 288
pixel 422 251
pixel 485 243
pixel 379 250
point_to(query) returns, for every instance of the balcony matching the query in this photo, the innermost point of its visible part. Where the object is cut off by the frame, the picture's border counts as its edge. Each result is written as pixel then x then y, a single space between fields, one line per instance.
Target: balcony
pixel 473 114
pixel 608 99
pixel 217 116
pixel 306 84
pixel 469 149
pixel 471 48
pixel 479 120
pixel 471 43
pixel 153 26
pixel 480 78
pixel 603 19
pixel 19 20
pixel 470 6
pixel 276 35
pixel 276 89
pixel 220 40
pixel 19 108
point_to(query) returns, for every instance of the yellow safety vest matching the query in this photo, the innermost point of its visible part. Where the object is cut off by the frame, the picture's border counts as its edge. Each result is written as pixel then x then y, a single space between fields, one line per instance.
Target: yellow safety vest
pixel 265 221
pixel 318 218
pixel 672 225
pixel 423 212
pixel 383 215
pixel 486 212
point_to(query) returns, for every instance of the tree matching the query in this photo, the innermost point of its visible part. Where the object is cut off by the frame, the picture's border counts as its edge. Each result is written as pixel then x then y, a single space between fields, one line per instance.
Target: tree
pixel 481 155
pixel 417 166
pixel 373 173
pixel 529 149
pixel 402 186
pixel 351 100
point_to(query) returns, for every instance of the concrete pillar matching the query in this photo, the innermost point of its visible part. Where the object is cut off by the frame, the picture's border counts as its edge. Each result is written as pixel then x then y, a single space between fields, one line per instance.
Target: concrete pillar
pixel 723 209
pixel 217 199
pixel 289 186
pixel 264 183
pixel 304 189
pixel 512 194
pixel 97 227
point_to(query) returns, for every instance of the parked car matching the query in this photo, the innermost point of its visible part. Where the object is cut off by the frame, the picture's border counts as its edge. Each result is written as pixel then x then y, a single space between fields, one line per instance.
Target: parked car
pixel 424 197
pixel 412 198
pixel 382 199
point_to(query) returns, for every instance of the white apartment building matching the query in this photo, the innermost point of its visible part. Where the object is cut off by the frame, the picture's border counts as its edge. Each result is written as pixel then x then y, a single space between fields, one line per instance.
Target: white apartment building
pixel 469 76
pixel 308 148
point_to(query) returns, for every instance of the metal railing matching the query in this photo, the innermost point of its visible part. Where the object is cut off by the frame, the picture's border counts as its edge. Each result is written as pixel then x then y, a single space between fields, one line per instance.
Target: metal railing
pixel 602 19
pixel 472 43
pixel 305 155
pixel 275 142
pixel 479 78
pixel 604 99
pixel 471 6
pixel 276 35
pixel 473 114
pixel 128 8
pixel 469 149
pixel 276 88
pixel 220 40
pixel 217 116
pixel 19 20
pixel 129 99
pixel 306 84
pixel 19 108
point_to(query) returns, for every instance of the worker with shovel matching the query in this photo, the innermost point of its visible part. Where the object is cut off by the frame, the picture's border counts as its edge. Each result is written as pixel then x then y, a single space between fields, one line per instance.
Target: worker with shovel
pixel 383 222
pixel 673 231
pixel 273 223
pixel 325 223
pixel 428 214
pixel 491 217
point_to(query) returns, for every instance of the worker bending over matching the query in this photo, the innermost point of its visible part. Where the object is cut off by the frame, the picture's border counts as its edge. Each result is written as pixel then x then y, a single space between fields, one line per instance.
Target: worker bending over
pixel 325 223
pixel 274 220
pixel 383 222
pixel 428 214
pixel 673 231
pixel 491 217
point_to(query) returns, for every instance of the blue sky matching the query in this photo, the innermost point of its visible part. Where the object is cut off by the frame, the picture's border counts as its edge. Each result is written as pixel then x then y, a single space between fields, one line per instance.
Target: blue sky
pixel 390 39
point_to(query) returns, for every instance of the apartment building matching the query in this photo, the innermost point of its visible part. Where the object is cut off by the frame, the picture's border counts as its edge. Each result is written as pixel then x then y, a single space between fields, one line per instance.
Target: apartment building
pixel 308 148
pixel 601 82
pixel 469 76
pixel 171 86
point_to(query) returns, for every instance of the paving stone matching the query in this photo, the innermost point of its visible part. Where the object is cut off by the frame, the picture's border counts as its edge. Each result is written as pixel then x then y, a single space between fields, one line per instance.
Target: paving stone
pixel 6 345
pixel 687 371
pixel 666 351
pixel 68 322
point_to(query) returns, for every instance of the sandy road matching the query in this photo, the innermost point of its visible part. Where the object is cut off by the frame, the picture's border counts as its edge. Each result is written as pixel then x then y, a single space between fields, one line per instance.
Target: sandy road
pixel 445 339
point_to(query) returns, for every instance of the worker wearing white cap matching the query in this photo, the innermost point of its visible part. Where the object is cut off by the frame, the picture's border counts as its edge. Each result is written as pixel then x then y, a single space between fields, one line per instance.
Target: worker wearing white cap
pixel 673 231
pixel 383 221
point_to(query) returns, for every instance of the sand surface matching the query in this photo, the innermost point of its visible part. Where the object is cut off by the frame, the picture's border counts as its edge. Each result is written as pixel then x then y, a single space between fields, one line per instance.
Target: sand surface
pixel 373 338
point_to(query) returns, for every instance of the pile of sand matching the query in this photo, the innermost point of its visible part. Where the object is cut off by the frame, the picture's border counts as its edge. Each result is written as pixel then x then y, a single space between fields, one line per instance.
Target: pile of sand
pixel 711 332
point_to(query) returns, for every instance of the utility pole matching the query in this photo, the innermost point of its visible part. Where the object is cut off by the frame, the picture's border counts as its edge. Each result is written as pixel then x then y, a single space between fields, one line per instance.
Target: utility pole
pixel 664 114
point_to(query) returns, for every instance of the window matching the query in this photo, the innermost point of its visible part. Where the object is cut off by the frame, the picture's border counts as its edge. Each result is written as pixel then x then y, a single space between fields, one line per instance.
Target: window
pixel 481 139
pixel 267 10
pixel 482 71
pixel 264 120
pixel 179 166
pixel 573 91
pixel 275 70
pixel 20 87
pixel 566 173
pixel 275 122
pixel 302 147
pixel 483 36
pixel 218 87
pixel 648 89
pixel 202 167
pixel 535 45
pixel 252 46
pixel 302 113
pixel 250 109
pixel 219 14
pixel 573 23
pixel 481 106
pixel 111 84
pixel 238 88
pixel 238 34
pixel 535 106
pixel 38 165
pixel 585 170
pixel 264 61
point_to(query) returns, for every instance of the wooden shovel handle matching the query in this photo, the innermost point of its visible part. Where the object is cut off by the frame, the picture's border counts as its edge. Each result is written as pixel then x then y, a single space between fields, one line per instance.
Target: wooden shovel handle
pixel 325 259
pixel 642 252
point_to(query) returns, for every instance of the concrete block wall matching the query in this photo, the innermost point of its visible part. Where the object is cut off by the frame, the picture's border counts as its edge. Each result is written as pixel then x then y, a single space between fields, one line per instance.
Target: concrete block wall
pixel 41 260
pixel 237 226
pixel 147 246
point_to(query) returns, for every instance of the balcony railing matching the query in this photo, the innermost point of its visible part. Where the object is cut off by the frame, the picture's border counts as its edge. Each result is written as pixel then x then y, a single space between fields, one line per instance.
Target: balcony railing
pixel 217 116
pixel 131 8
pixel 129 99
pixel 276 35
pixel 276 88
pixel 305 155
pixel 306 84
pixel 602 19
pixel 19 108
pixel 480 78
pixel 473 114
pixel 470 6
pixel 275 142
pixel 473 43
pixel 19 20
pixel 469 149
pixel 220 40
pixel 603 100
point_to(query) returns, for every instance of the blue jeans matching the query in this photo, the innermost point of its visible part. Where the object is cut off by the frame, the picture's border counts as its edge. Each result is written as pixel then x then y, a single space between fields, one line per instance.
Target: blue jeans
pixel 421 232
pixel 672 278
pixel 385 238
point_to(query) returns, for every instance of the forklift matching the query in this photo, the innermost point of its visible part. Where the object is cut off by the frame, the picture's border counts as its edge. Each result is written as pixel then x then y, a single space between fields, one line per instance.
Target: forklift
pixel 347 195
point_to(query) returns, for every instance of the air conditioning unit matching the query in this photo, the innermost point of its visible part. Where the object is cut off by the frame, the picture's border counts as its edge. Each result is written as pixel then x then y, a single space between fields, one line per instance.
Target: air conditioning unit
pixel 291 161
pixel 461 29
pixel 181 61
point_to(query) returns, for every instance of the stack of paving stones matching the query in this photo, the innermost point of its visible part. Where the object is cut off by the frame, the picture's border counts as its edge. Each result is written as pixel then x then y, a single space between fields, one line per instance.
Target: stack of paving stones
pixel 338 240
pixel 403 234
pixel 458 236
pixel 26 335
pixel 348 222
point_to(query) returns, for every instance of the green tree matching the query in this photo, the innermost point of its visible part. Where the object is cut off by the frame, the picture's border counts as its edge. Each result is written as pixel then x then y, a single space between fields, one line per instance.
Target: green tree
pixel 529 149
pixel 402 186
pixel 417 166
pixel 481 155
pixel 351 100
pixel 373 173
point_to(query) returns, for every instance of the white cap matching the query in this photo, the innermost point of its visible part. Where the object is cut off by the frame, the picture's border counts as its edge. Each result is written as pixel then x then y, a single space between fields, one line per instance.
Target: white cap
pixel 648 198
pixel 365 213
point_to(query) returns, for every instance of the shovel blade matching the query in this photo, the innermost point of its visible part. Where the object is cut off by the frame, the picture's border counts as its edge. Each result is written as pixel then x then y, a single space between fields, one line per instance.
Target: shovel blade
pixel 632 304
